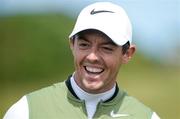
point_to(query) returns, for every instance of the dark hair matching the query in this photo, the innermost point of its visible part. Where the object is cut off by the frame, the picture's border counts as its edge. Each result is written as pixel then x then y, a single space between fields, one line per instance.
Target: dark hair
pixel 125 47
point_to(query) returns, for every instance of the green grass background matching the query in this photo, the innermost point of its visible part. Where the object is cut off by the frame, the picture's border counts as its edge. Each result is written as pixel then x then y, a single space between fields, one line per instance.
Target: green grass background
pixel 34 53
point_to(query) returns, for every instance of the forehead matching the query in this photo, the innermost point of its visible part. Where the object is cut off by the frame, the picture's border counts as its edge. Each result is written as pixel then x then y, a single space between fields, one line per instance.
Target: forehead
pixel 86 34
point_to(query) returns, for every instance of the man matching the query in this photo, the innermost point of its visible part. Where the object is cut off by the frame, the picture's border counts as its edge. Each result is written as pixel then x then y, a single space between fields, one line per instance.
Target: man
pixel 101 42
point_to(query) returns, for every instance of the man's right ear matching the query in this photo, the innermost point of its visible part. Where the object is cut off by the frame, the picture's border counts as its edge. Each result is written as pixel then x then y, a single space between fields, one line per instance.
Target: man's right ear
pixel 71 43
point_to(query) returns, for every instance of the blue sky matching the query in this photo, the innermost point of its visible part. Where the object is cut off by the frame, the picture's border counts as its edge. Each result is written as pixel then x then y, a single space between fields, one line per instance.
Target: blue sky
pixel 156 23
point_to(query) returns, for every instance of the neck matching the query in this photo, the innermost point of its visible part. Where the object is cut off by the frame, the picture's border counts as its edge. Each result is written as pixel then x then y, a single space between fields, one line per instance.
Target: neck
pixel 83 95
pixel 91 100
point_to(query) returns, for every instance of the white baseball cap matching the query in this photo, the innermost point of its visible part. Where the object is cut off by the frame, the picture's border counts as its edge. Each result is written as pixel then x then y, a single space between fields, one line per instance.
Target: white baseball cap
pixel 108 18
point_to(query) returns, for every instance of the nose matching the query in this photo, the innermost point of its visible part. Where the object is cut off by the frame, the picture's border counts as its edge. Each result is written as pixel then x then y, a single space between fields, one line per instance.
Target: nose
pixel 92 57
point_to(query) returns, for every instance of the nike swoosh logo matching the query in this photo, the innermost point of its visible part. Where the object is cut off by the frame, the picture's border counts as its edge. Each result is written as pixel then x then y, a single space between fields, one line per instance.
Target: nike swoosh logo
pixel 99 11
pixel 112 114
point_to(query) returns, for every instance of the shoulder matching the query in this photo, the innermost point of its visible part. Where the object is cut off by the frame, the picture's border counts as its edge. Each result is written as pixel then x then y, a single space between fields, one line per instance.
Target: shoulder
pixel 132 101
pixel 19 110
pixel 49 90
pixel 136 107
pixel 48 95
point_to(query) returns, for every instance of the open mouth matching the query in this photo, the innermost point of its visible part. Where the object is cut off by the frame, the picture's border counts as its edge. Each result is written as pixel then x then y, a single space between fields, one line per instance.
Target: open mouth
pixel 93 70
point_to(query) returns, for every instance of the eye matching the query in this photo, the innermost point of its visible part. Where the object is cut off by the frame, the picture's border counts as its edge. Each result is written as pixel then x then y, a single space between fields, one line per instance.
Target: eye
pixel 83 45
pixel 108 48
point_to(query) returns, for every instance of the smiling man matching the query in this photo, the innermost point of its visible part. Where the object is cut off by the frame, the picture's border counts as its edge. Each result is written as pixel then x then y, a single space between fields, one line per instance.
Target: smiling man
pixel 101 42
pixel 97 60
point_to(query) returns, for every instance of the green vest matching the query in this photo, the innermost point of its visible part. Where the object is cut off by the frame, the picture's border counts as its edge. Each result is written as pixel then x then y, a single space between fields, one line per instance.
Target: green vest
pixel 58 102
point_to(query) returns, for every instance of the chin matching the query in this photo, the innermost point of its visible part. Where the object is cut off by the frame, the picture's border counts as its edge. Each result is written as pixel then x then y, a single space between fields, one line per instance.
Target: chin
pixel 92 87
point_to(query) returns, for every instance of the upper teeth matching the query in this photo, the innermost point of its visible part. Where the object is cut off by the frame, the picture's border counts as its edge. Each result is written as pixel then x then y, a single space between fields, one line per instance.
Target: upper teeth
pixel 94 70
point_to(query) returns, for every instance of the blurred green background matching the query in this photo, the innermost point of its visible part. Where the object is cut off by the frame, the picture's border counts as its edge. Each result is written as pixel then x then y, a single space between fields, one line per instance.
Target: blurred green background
pixel 34 53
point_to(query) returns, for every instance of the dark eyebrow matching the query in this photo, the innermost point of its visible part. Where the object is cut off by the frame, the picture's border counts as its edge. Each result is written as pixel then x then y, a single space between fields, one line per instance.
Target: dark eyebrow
pixel 108 42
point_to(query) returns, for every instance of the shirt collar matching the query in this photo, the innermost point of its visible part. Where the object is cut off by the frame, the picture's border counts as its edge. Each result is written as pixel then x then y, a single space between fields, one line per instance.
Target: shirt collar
pixel 88 96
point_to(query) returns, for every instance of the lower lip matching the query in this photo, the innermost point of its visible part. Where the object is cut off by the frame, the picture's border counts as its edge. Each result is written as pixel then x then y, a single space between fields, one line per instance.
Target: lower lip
pixel 91 76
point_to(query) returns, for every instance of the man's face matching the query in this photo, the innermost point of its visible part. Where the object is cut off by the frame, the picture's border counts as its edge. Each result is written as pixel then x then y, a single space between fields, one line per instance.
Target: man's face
pixel 97 61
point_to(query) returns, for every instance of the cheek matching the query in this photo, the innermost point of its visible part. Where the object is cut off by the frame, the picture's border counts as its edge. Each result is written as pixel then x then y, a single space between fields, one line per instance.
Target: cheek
pixel 113 66
pixel 113 62
pixel 78 58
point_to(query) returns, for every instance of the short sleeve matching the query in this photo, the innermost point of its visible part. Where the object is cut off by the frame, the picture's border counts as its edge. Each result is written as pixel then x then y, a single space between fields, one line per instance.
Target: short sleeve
pixel 19 110
pixel 155 116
